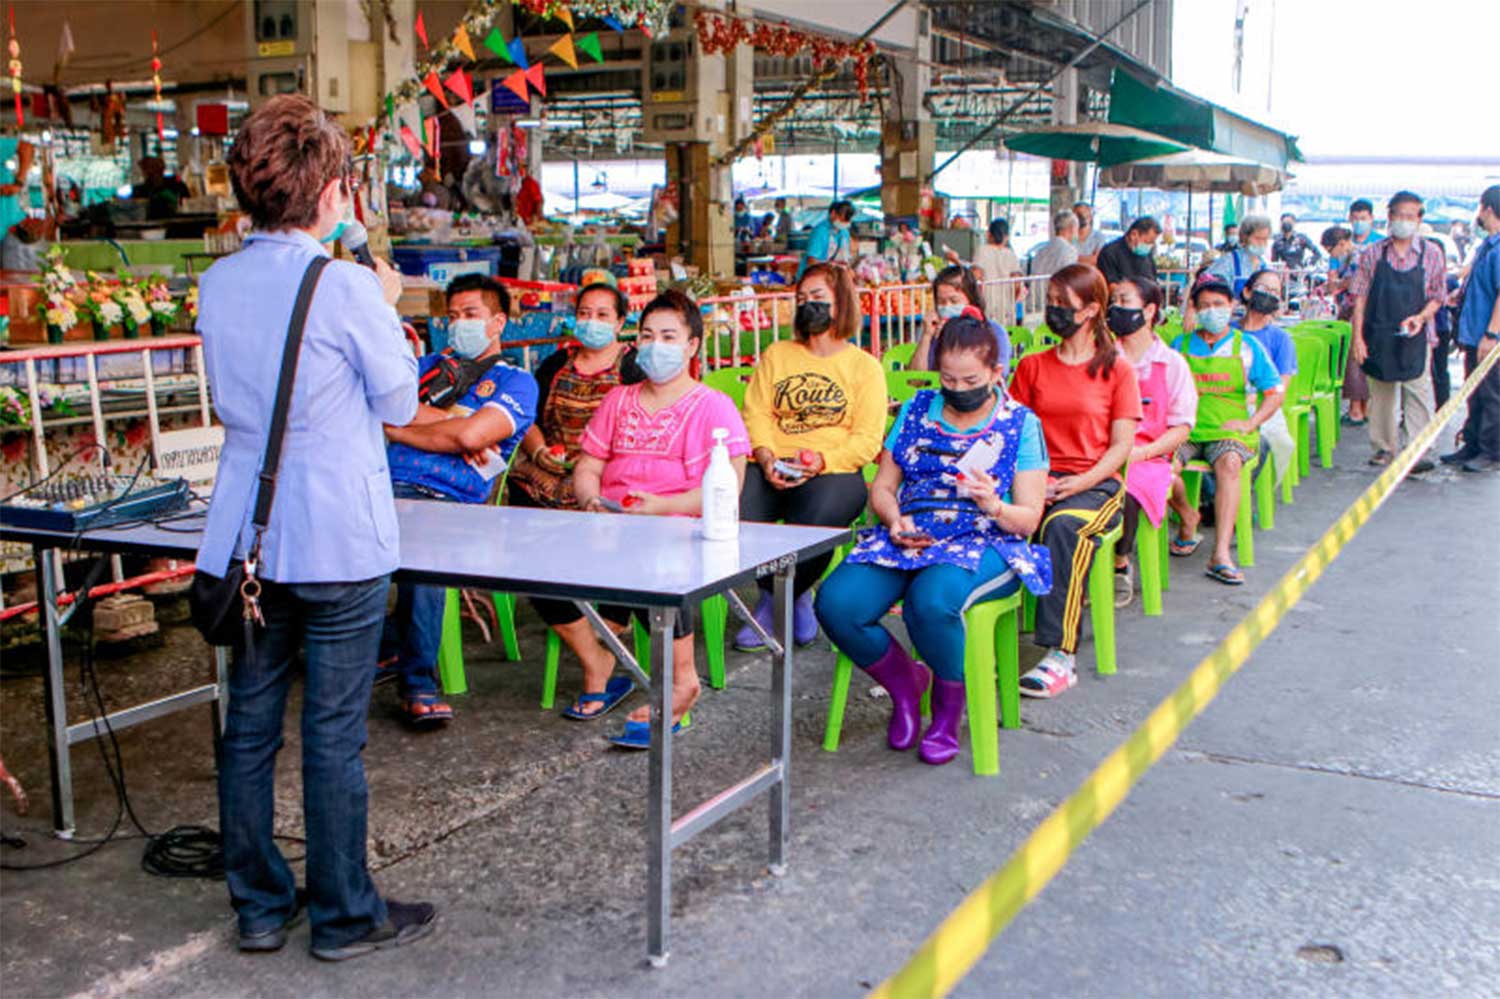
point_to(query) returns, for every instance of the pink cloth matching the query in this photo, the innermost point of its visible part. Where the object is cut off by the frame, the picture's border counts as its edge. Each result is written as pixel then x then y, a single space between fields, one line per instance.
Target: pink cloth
pixel 662 453
pixel 1182 396
pixel 1150 481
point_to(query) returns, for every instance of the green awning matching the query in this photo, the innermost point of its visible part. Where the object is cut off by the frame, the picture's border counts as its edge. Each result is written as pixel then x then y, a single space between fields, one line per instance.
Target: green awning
pixel 1179 115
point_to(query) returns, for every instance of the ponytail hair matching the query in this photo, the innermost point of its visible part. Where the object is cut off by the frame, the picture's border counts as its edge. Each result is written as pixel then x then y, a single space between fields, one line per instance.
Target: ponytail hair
pixel 1089 286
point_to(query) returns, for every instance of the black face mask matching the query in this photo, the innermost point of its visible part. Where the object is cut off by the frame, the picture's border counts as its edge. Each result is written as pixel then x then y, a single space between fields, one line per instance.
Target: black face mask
pixel 812 318
pixel 1264 302
pixel 1061 320
pixel 1287 228
pixel 967 400
pixel 1123 321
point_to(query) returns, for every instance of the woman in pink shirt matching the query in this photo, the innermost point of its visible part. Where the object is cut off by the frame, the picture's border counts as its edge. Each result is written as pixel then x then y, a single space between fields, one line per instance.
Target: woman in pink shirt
pixel 644 453
pixel 1169 405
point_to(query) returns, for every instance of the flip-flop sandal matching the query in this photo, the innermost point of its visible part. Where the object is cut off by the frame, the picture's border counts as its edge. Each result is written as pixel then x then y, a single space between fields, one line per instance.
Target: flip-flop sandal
pixel 425 711
pixel 1227 574
pixel 615 690
pixel 637 734
pixel 1182 549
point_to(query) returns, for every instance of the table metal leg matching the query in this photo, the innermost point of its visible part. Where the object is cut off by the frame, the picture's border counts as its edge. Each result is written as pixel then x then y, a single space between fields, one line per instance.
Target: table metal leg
pixel 781 721
pixel 659 799
pixel 221 702
pixel 56 696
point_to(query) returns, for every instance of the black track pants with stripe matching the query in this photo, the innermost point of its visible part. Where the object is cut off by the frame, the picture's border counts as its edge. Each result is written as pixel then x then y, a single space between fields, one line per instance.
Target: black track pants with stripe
pixel 1069 530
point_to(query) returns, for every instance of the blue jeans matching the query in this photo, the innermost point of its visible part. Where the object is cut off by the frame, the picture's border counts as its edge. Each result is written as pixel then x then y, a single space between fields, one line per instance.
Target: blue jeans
pixel 415 631
pixel 337 625
pixel 852 602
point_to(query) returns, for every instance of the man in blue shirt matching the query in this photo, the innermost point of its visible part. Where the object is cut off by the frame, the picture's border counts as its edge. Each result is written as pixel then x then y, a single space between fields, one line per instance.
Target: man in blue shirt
pixel 1362 224
pixel 1236 266
pixel 829 239
pixel 474 411
pixel 1478 335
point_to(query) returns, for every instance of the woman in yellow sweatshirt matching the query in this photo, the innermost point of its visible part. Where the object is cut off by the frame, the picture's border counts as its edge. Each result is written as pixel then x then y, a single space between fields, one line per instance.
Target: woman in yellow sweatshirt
pixel 815 409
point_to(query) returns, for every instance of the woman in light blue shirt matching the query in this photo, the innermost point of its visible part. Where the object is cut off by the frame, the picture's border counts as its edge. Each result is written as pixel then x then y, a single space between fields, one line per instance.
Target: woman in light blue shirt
pixel 331 543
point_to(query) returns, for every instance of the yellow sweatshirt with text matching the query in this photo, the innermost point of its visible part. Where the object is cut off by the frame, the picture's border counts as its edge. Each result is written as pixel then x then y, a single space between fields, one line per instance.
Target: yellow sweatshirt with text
pixel 833 405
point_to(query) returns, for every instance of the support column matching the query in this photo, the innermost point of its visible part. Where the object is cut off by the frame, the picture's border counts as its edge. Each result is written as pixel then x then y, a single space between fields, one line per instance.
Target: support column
pixel 908 136
pixel 1066 175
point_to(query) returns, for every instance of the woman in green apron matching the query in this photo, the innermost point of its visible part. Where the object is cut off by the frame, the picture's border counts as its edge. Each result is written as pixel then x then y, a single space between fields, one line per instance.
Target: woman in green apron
pixel 1228 368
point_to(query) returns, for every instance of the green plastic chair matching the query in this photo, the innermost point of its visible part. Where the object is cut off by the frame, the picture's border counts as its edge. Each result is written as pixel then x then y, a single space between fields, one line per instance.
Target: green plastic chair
pixel 991 659
pixel 901 386
pixel 731 381
pixel 1020 342
pixel 899 357
pixel 641 638
pixel 1101 587
pixel 1153 557
pixel 1312 371
pixel 1244 530
pixel 1329 388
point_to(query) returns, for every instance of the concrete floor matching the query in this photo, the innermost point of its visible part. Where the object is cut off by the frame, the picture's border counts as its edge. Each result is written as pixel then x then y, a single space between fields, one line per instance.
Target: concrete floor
pixel 1328 827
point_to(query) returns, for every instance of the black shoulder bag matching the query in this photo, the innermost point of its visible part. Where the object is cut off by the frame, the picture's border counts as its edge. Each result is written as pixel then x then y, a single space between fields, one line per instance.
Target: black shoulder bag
pixel 226 610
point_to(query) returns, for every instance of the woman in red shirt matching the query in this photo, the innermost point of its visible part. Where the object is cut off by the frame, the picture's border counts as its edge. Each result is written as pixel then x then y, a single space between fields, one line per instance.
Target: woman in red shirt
pixel 1086 395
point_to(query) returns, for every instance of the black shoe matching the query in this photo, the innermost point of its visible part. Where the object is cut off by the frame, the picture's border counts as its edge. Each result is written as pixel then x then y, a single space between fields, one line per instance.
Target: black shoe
pixel 1481 465
pixel 406 922
pixel 275 939
pixel 1423 465
pixel 1458 457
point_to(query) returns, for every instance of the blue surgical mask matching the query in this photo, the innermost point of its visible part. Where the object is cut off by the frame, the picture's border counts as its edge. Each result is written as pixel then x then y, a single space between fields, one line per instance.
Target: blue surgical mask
pixel 950 311
pixel 338 232
pixel 1233 239
pixel 1256 250
pixel 468 337
pixel 661 361
pixel 594 333
pixel 1362 227
pixel 1142 249
pixel 1215 320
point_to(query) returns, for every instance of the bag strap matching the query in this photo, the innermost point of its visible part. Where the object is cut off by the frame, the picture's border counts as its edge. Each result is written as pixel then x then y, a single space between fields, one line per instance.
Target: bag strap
pixel 289 355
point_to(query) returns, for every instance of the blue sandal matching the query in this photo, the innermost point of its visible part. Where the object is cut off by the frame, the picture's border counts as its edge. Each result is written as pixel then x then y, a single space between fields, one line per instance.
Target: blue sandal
pixel 637 734
pixel 615 690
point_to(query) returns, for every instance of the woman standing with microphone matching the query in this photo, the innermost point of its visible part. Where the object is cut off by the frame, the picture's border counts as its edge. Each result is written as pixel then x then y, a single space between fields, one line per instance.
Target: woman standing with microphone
pixel 325 553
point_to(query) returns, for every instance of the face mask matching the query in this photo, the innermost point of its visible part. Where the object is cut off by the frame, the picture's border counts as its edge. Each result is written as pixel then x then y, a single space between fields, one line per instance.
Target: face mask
pixel 967 400
pixel 1403 228
pixel 1256 250
pixel 1264 302
pixel 950 311
pixel 1123 321
pixel 1142 249
pixel 1061 320
pixel 594 333
pixel 468 337
pixel 1215 320
pixel 842 226
pixel 1233 239
pixel 661 361
pixel 1287 228
pixel 341 224
pixel 1361 227
pixel 812 318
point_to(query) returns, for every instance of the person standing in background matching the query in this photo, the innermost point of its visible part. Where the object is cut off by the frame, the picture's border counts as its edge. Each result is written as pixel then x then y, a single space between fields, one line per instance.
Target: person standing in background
pixel 1343 264
pixel 1400 285
pixel 1059 251
pixel 996 262
pixel 1133 254
pixel 1236 266
pixel 1362 223
pixel 332 541
pixel 1478 335
pixel 1231 238
pixel 829 242
pixel 12 211
pixel 1090 239
pixel 1292 247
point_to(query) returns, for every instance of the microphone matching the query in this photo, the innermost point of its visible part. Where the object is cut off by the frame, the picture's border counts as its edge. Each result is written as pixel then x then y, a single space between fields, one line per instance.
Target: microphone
pixel 356 239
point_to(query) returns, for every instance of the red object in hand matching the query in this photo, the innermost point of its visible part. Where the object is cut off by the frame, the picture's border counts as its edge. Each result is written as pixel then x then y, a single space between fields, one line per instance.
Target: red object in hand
pixel 960 476
pixel 557 451
pixel 630 501
pixel 807 458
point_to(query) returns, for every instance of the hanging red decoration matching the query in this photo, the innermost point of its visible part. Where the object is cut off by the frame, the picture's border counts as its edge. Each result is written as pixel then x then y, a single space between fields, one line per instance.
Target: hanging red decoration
pixel 15 70
pixel 156 84
pixel 721 33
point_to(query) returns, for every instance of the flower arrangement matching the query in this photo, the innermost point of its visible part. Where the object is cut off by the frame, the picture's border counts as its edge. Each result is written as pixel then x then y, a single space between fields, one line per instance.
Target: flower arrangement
pixel 160 302
pixel 100 306
pixel 13 409
pixel 59 289
pixel 190 304
pixel 130 298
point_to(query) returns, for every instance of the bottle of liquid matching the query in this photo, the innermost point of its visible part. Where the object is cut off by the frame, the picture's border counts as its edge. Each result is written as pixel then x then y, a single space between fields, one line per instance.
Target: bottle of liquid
pixel 721 493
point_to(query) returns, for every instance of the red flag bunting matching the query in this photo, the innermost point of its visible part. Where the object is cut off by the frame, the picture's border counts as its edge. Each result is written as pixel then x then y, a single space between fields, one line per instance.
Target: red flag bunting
pixel 434 131
pixel 536 75
pixel 434 87
pixel 458 82
pixel 516 83
pixel 409 139
pixel 421 29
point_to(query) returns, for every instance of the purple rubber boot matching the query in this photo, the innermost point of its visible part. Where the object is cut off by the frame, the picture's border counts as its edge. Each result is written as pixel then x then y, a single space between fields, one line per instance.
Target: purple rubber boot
pixel 746 640
pixel 940 744
pixel 906 681
pixel 804 621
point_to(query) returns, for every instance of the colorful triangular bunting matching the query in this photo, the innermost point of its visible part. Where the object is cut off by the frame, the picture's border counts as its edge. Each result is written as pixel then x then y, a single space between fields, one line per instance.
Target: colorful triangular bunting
pixel 461 40
pixel 413 145
pixel 537 77
pixel 518 53
pixel 421 29
pixel 589 44
pixel 616 25
pixel 390 109
pixel 458 81
pixel 563 49
pixel 464 114
pixel 495 42
pixel 434 132
pixel 430 81
pixel 516 83
pixel 564 15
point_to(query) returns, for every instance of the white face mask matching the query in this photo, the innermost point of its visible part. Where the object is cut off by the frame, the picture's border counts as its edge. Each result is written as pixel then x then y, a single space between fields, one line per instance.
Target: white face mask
pixel 1403 228
pixel 468 337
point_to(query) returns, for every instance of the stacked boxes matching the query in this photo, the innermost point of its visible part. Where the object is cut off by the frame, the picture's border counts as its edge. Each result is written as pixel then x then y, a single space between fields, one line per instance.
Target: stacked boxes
pixel 640 285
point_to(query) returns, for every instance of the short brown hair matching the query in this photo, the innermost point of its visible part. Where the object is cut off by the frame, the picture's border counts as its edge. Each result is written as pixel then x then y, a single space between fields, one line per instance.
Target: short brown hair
pixel 285 154
pixel 845 301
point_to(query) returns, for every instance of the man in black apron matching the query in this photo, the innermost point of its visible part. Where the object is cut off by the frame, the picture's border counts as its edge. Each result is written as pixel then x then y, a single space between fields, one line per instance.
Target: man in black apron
pixel 1398 289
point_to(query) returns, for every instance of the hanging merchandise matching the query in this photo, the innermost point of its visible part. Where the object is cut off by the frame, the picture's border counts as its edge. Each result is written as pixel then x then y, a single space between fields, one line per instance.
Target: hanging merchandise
pixel 518 143
pixel 502 153
pixel 156 83
pixel 434 131
pixel 15 69
pixel 722 33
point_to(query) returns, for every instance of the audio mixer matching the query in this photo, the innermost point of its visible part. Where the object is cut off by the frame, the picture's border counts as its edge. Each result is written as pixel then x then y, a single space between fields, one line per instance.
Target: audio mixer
pixel 80 503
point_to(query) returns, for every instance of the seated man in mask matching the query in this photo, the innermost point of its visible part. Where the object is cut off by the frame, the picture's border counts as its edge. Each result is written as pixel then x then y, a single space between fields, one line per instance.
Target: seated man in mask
pixel 473 410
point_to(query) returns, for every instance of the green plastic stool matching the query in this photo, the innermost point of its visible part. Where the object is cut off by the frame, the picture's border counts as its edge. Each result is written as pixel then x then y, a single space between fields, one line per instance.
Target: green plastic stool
pixel 1244 531
pixel 991 658
pixel 1101 587
pixel 1151 554
pixel 450 659
pixel 642 639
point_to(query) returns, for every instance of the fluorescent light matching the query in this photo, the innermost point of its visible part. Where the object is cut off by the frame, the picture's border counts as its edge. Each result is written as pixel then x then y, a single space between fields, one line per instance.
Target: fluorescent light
pixel 476 147
pixel 194 131
pixel 169 133
pixel 123 191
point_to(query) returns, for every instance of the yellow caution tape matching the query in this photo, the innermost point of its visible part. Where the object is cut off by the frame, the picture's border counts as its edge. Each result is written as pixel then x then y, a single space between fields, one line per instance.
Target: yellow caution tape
pixel 961 940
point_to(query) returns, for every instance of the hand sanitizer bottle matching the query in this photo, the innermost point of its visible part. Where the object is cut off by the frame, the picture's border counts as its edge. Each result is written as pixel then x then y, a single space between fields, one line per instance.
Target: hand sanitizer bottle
pixel 721 493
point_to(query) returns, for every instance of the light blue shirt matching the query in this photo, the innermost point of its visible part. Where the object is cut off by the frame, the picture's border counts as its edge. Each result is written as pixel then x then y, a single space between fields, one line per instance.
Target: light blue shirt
pixel 1260 371
pixel 824 243
pixel 1237 267
pixel 333 519
pixel 1031 449
pixel 1480 293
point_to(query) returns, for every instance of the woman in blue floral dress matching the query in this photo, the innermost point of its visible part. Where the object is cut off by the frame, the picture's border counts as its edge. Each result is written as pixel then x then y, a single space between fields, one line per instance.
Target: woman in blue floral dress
pixel 961 487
